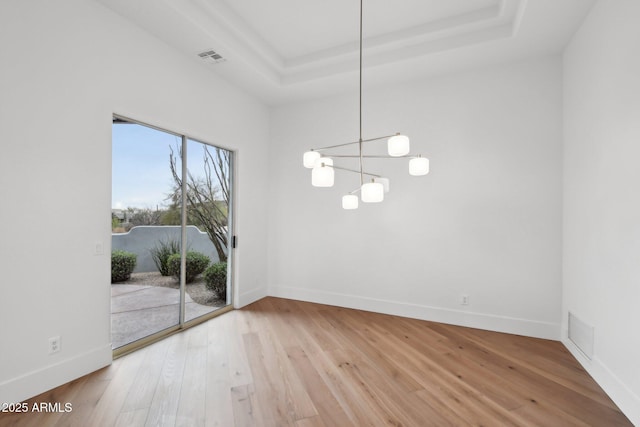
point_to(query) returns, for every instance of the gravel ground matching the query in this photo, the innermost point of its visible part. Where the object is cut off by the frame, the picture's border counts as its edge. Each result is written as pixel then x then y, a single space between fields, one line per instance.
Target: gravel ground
pixel 196 289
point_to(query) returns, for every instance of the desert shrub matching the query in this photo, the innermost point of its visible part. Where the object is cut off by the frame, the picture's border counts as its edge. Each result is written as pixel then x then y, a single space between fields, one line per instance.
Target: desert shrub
pixel 197 262
pixel 215 278
pixel 161 252
pixel 122 265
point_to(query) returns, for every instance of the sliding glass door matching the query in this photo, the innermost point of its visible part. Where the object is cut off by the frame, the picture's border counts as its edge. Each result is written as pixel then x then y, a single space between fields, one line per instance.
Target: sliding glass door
pixel 172 210
pixel 208 201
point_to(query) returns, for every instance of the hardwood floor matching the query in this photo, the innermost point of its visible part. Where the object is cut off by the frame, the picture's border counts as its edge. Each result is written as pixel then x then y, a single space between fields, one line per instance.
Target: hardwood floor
pixel 287 363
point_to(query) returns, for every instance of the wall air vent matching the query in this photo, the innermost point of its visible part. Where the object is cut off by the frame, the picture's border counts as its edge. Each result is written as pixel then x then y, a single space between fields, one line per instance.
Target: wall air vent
pixel 211 56
pixel 581 334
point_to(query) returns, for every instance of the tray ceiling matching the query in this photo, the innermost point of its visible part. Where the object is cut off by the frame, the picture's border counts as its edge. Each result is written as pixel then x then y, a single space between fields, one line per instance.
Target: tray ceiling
pixel 288 50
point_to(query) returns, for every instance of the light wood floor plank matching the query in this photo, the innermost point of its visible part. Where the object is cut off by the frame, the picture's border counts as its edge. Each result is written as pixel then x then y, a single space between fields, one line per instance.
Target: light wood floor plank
pixel 133 418
pixel 219 406
pixel 164 405
pixel 245 407
pixel 355 331
pixel 239 371
pixel 145 383
pixel 108 408
pixel 541 386
pixel 84 401
pixel 321 395
pixel 279 362
pixel 192 405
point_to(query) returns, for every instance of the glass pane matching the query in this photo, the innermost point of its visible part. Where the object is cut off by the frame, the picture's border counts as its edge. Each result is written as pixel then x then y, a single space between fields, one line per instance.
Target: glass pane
pixel 145 222
pixel 208 231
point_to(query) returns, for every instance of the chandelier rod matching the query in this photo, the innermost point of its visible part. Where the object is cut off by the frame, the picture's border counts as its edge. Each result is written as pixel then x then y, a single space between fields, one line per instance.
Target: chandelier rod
pixel 360 102
pixel 351 170
pixel 371 156
pixel 398 146
pixel 353 142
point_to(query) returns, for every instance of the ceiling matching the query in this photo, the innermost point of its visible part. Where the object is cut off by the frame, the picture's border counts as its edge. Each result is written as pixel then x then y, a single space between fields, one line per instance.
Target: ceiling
pixel 289 50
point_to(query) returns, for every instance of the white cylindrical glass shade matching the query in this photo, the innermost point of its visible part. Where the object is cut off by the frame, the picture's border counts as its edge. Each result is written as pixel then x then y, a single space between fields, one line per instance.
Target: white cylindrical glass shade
pixel 350 201
pixel 309 159
pixel 372 192
pixel 419 166
pixel 322 176
pixel 398 145
pixel 384 182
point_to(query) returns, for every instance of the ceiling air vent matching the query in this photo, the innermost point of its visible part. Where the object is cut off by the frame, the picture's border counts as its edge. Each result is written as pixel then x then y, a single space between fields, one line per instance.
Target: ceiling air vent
pixel 211 56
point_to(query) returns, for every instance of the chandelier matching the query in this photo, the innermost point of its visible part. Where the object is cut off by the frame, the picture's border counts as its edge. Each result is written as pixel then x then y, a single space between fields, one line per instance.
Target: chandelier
pixel 373 188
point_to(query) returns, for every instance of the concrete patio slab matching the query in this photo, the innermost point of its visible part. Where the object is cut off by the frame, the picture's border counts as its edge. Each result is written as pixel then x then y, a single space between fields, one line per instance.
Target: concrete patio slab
pixel 138 311
pixel 119 289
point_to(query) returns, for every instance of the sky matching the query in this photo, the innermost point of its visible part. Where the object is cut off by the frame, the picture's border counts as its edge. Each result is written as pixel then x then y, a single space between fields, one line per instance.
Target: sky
pixel 141 177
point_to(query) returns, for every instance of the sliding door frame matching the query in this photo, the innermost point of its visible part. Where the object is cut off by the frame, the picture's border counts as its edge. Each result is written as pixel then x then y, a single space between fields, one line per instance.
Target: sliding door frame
pixel 182 323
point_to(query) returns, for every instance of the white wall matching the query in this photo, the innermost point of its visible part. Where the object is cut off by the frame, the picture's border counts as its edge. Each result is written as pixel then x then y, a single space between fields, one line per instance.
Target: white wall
pixel 602 188
pixel 65 67
pixel 485 222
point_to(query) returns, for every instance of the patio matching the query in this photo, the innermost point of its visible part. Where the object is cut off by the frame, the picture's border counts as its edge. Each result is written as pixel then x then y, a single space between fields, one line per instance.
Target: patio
pixel 141 310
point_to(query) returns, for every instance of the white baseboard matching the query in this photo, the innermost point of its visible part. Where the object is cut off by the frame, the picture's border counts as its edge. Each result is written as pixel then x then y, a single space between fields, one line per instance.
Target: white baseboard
pixel 249 297
pixel 511 325
pixel 627 401
pixel 34 383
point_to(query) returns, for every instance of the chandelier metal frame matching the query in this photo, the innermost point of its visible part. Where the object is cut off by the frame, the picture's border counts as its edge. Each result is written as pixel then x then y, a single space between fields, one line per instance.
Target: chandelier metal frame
pixel 370 192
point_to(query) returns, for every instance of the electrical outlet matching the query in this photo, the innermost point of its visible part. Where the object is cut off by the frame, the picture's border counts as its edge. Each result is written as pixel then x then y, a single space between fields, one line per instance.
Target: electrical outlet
pixel 54 345
pixel 464 300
